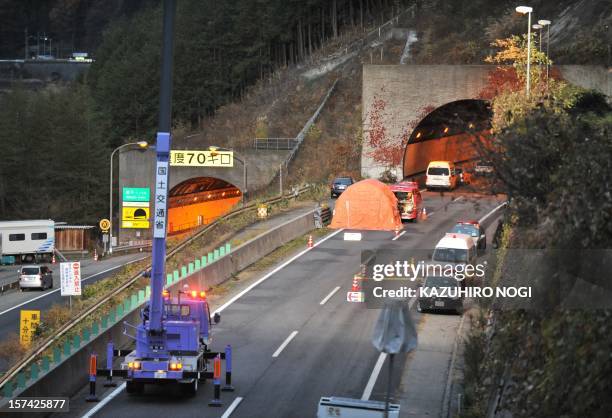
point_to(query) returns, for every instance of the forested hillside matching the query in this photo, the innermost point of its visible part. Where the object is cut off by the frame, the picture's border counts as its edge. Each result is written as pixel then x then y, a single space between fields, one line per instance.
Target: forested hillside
pixel 221 49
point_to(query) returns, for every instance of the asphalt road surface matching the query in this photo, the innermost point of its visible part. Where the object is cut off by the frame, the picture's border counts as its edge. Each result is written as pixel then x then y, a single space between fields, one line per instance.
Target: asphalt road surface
pixel 12 302
pixel 295 337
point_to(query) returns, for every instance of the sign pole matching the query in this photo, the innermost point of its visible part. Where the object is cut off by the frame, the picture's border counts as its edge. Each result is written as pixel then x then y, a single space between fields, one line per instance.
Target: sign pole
pixel 158 264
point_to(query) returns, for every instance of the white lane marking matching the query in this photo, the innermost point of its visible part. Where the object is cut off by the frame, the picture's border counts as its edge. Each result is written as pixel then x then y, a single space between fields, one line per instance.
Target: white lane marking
pixel 328 297
pixel 285 344
pixel 367 392
pixel 276 270
pixel 398 235
pixel 430 214
pixel 104 401
pixel 495 209
pixel 58 289
pixel 457 199
pixel 232 407
pixel 228 303
pixel 422 190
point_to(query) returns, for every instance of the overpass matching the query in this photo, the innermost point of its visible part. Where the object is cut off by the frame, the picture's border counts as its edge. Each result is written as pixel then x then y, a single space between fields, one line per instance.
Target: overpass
pixel 430 107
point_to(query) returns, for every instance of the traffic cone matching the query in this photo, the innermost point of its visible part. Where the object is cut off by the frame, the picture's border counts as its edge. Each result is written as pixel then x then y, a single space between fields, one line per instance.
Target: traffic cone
pixel 397 230
pixel 310 244
pixel 356 286
pixel 424 214
pixel 95 254
pixel 53 259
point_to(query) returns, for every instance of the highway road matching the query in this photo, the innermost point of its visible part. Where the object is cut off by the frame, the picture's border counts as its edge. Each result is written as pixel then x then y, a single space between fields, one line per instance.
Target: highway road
pixel 295 337
pixel 12 302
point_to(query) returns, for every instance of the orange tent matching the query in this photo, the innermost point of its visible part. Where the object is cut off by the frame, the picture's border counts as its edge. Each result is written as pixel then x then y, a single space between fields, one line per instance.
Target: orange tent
pixel 368 204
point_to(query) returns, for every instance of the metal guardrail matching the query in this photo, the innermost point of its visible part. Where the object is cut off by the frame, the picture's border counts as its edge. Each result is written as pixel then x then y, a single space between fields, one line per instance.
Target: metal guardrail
pixel 67 327
pixel 274 143
pixel 133 246
pixel 300 136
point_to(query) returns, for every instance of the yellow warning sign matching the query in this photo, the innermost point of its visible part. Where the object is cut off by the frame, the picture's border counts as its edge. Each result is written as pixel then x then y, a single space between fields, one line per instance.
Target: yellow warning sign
pixel 135 213
pixel 135 217
pixel 105 225
pixel 135 224
pixel 28 323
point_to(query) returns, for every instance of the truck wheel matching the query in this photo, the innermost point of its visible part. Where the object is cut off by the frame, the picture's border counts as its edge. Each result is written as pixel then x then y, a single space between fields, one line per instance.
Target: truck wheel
pixel 190 389
pixel 134 387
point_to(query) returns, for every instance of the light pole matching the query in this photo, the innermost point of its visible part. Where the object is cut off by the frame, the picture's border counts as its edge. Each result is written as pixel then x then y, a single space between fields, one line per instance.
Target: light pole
pixel 214 148
pixel 546 23
pixel 141 145
pixel 527 10
pixel 539 27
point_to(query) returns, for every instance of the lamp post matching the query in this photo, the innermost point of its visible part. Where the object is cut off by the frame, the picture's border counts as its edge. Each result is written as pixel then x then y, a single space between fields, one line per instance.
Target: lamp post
pixel 214 148
pixel 539 27
pixel 141 145
pixel 546 23
pixel 527 10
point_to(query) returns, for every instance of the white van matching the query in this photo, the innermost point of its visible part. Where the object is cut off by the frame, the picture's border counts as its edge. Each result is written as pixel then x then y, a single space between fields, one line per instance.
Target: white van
pixel 455 248
pixel 441 175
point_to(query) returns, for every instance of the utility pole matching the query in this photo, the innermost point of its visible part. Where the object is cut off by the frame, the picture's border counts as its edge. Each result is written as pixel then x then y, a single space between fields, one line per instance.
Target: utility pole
pixel 25 52
pixel 158 263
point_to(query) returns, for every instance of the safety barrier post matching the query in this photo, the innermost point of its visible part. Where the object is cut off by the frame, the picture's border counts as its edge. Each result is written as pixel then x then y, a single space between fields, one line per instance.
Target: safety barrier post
pixel 110 352
pixel 216 401
pixel 92 379
pixel 228 369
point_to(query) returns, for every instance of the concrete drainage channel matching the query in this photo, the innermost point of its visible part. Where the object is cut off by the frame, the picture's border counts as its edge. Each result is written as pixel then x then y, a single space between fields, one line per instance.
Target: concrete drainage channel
pixel 65 371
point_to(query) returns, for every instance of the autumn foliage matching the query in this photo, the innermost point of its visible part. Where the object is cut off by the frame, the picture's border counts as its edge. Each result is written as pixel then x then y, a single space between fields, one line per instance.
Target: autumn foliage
pixel 386 149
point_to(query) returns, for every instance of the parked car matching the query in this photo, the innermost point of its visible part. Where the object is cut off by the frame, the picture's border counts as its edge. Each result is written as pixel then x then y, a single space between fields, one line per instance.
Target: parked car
pixel 441 175
pixel 449 300
pixel 484 168
pixel 33 276
pixel 339 185
pixel 409 200
pixel 474 230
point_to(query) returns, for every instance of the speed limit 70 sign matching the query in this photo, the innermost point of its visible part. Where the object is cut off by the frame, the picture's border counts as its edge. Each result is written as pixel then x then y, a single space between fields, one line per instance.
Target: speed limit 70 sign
pixel 105 225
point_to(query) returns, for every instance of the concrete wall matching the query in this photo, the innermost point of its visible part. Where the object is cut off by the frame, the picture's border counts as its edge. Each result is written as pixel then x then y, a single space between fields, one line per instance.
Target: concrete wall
pixel 407 89
pixel 43 70
pixel 590 77
pixel 137 169
pixel 71 376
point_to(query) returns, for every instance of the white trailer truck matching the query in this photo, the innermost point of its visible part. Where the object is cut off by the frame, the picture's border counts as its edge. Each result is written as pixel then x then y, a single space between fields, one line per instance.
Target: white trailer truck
pixel 28 241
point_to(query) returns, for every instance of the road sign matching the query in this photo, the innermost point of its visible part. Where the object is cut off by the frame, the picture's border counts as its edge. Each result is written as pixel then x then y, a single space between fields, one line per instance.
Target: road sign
pixel 105 238
pixel 136 194
pixel 28 323
pixel 70 278
pixel 135 213
pixel 105 225
pixel 355 297
pixel 161 199
pixel 394 331
pixel 188 158
pixel 135 224
pixel 262 211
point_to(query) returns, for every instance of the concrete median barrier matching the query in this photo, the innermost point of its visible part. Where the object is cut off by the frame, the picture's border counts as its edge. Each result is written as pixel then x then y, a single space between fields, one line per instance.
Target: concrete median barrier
pixel 70 374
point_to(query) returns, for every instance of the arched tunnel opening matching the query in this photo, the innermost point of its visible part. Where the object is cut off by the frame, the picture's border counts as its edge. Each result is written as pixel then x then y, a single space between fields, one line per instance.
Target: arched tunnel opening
pixel 453 132
pixel 199 201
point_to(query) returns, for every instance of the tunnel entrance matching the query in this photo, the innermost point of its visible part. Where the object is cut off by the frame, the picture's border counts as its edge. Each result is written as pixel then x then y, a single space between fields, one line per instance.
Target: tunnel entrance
pixel 452 132
pixel 199 201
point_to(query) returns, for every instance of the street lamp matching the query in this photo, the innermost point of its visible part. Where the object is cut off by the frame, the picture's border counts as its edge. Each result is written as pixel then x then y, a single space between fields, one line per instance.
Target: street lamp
pixel 214 148
pixel 546 23
pixel 539 27
pixel 527 10
pixel 141 145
